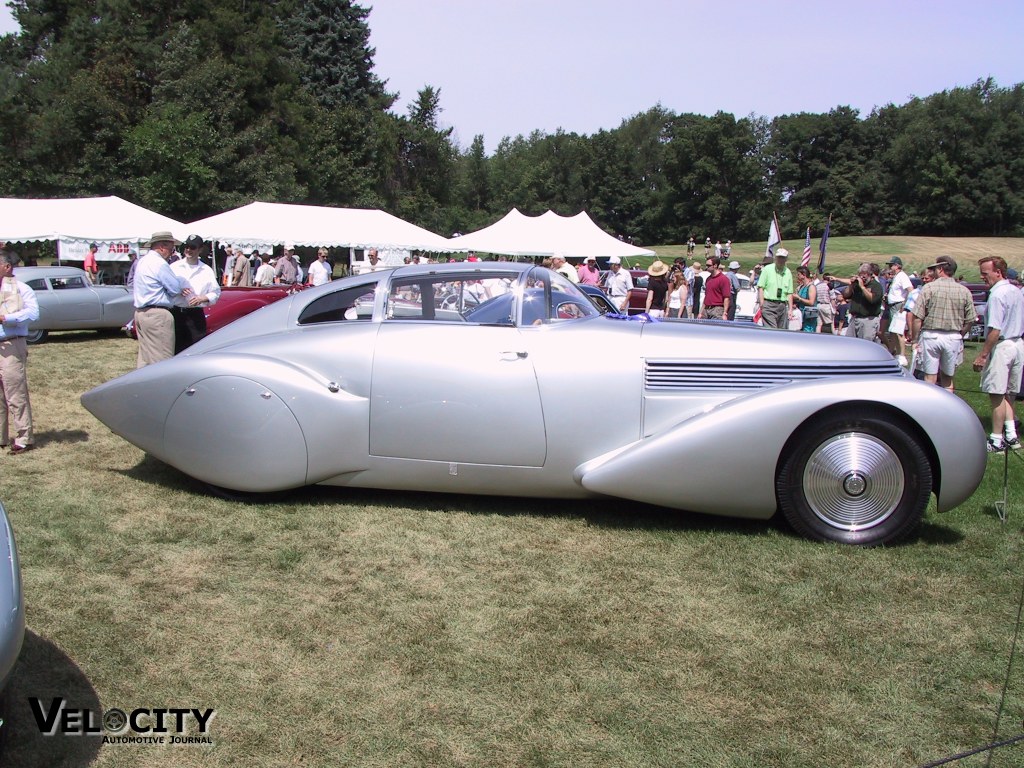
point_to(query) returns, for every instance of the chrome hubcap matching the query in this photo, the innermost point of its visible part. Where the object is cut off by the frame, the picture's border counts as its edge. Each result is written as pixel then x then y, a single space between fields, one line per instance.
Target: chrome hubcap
pixel 853 481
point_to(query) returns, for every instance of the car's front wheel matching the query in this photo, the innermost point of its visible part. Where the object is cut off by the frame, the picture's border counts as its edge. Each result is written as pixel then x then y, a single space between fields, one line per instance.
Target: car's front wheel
pixel 35 336
pixel 854 479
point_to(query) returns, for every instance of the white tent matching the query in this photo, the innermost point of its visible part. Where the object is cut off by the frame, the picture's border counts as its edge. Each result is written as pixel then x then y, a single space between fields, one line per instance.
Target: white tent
pixel 546 235
pixel 268 224
pixel 110 222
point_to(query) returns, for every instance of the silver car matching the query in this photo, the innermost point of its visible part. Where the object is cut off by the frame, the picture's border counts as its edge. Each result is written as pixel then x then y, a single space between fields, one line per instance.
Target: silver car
pixel 12 608
pixel 69 302
pixel 503 379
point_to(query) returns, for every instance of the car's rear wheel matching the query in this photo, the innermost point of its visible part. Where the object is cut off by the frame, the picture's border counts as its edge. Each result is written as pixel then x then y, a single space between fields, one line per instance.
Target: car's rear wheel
pixel 854 480
pixel 35 336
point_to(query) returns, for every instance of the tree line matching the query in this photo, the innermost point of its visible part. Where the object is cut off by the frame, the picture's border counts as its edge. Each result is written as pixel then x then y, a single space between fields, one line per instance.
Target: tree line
pixel 192 107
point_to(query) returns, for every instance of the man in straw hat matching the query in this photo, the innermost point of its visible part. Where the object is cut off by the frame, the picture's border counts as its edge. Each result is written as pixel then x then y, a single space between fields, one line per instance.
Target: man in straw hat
pixel 154 291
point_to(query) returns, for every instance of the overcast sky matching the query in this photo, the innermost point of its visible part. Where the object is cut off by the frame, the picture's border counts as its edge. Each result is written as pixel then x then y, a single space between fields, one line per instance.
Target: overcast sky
pixel 513 66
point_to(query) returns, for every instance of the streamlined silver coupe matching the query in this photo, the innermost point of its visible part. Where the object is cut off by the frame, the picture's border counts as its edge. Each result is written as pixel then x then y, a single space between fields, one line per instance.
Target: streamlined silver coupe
pixel 504 379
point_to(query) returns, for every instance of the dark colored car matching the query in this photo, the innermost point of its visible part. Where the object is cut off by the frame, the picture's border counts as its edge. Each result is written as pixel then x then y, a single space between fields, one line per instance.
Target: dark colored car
pixel 979 294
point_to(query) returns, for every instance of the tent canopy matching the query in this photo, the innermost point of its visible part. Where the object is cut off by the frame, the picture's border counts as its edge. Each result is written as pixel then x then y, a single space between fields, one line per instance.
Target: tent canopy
pixel 268 224
pixel 546 235
pixel 82 220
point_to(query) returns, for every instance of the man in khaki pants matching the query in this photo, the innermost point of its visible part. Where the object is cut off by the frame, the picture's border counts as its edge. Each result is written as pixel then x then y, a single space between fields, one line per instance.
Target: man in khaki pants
pixel 18 307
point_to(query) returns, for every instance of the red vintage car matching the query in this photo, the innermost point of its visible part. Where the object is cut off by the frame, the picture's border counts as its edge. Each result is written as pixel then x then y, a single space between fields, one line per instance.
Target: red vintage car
pixel 236 302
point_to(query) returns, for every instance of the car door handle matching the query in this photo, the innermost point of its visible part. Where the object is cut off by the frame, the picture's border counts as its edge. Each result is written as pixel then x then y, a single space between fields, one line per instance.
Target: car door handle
pixel 510 355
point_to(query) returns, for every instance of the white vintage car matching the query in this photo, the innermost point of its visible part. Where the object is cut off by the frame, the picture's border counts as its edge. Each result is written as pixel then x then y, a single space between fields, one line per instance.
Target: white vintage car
pixel 469 378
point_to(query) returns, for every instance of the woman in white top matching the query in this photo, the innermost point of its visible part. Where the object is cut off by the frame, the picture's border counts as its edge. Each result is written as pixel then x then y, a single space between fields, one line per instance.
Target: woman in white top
pixel 677 295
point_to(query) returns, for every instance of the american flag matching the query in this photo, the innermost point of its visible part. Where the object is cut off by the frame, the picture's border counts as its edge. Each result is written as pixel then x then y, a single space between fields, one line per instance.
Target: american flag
pixel 807 250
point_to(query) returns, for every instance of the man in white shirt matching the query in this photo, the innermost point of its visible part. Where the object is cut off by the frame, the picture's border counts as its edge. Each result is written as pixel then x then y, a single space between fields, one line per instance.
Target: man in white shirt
pixel 154 290
pixel 899 288
pixel 265 274
pixel 189 315
pixel 320 270
pixel 618 283
pixel 18 307
pixel 1001 360
pixel 559 264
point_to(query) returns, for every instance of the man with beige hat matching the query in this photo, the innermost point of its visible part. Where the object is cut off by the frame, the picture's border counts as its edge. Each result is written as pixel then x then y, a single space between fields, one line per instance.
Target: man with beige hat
pixel 154 290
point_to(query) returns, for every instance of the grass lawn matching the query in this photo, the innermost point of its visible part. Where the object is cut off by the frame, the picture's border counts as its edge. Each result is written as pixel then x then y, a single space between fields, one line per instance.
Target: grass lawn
pixel 363 628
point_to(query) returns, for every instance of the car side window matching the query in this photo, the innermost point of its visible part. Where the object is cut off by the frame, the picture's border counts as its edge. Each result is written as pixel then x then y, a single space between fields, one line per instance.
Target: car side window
pixel 64 283
pixel 39 284
pixel 450 298
pixel 348 304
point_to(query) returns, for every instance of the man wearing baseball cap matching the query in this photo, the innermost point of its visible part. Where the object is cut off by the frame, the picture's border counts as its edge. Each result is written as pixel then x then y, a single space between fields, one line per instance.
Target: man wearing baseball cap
pixel 774 292
pixel 942 316
pixel 899 288
pixel 618 283
pixel 189 315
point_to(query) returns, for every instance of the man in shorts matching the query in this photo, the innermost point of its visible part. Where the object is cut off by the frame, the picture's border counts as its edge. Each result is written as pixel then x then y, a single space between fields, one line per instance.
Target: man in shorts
pixel 1001 359
pixel 942 316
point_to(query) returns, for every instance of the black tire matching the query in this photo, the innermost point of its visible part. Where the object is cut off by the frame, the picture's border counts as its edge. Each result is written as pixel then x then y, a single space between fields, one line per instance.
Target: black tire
pixel 854 480
pixel 36 336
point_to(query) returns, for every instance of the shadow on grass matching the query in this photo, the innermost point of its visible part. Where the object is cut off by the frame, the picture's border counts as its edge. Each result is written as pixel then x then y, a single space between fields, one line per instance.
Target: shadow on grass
pixel 605 513
pixel 61 436
pixel 77 337
pixel 45 672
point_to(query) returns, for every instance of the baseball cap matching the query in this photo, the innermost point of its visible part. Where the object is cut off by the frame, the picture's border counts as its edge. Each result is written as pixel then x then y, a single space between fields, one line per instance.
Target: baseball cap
pixel 782 253
pixel 734 265
pixel 895 260
pixel 193 241
pixel 614 260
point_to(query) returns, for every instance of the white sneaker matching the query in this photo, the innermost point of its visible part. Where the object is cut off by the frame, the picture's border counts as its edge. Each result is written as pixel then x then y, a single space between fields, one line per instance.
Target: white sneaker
pixel 902 360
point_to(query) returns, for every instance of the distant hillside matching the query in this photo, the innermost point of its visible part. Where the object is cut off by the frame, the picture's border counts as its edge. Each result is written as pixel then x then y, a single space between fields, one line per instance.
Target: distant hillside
pixel 844 253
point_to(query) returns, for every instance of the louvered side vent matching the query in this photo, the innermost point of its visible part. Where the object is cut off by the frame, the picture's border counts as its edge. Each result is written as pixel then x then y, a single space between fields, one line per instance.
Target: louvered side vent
pixel 689 376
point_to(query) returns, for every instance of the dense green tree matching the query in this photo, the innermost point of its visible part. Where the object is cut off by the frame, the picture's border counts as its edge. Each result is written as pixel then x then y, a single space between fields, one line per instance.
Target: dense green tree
pixel 329 42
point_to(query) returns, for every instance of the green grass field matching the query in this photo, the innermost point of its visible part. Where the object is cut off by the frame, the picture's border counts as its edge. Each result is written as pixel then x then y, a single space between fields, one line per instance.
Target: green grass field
pixel 364 628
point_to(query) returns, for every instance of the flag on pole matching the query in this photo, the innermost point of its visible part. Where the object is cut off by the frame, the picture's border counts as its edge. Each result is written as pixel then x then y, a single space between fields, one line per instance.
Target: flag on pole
pixel 824 244
pixel 774 238
pixel 807 250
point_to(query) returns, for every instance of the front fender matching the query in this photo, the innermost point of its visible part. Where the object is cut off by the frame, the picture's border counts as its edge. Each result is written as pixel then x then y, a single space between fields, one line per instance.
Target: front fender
pixel 724 461
pixel 242 421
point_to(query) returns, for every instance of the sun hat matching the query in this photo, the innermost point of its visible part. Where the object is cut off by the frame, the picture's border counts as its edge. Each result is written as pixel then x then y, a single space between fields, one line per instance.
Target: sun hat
pixel 734 265
pixel 946 261
pixel 163 236
pixel 657 269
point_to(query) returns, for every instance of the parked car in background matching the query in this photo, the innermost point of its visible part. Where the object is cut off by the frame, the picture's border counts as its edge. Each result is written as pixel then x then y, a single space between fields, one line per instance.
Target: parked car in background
pixel 12 610
pixel 600 299
pixel 417 389
pixel 69 302
pixel 979 294
pixel 236 302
